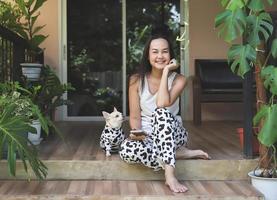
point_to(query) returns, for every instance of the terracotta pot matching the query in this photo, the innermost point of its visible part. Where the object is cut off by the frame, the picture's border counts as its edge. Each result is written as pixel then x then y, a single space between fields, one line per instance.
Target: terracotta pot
pixel 255 142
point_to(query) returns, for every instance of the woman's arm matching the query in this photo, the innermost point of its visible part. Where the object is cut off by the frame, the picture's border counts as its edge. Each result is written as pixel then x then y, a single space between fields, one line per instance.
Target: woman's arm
pixel 166 98
pixel 134 105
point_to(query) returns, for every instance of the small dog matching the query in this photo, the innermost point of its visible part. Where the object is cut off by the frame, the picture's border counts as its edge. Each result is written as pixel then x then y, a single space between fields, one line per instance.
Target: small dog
pixel 112 135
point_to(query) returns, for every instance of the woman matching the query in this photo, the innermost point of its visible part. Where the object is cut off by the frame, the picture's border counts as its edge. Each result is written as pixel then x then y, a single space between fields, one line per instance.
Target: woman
pixel 154 105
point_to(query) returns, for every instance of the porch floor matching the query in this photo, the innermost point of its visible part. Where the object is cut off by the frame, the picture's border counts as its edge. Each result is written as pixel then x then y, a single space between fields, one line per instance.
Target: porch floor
pixel 208 190
pixel 79 169
pixel 218 138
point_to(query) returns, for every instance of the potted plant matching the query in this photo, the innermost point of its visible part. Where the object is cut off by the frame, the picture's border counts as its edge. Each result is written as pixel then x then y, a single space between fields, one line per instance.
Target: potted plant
pixel 16 114
pixel 248 20
pixel 25 14
pixel 47 94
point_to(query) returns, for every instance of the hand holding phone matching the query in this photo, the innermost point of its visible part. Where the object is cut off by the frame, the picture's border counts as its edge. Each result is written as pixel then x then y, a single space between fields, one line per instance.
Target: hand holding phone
pixel 137 135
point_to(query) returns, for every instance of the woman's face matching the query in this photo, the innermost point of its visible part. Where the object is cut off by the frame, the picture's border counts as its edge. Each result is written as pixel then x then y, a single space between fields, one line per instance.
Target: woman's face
pixel 159 55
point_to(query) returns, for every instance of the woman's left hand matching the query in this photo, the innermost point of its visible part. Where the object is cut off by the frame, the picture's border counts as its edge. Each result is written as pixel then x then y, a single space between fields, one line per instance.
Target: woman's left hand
pixel 172 65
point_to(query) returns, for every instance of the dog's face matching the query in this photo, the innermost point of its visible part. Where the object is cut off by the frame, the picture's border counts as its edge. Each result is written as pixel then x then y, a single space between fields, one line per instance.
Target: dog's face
pixel 114 119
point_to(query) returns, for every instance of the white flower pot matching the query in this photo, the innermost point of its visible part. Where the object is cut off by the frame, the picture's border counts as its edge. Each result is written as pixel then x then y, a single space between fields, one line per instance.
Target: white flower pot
pixel 31 70
pixel 35 137
pixel 267 186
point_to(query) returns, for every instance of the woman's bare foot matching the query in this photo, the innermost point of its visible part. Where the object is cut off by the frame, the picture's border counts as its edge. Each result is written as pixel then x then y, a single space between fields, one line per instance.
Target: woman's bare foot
pixel 186 153
pixel 172 182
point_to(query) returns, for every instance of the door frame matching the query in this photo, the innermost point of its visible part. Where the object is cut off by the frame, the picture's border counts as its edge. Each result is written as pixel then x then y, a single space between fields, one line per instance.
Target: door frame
pixel 184 62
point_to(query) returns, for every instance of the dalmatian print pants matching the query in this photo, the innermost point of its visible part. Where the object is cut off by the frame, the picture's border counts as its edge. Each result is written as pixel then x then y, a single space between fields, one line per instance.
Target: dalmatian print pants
pixel 159 148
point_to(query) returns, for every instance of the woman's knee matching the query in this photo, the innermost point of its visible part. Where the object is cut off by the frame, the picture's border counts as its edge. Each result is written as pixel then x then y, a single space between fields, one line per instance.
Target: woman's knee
pixel 163 115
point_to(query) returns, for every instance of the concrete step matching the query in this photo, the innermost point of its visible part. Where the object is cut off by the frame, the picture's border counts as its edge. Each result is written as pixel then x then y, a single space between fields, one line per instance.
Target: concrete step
pixel 119 170
pixel 126 190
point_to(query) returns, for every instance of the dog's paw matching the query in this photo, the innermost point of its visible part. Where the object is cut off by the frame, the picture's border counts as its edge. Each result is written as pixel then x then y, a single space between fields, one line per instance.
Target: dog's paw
pixel 108 153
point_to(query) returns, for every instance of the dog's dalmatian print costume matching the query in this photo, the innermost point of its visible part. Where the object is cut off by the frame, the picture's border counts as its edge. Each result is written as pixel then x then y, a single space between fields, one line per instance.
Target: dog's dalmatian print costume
pixel 165 133
pixel 111 138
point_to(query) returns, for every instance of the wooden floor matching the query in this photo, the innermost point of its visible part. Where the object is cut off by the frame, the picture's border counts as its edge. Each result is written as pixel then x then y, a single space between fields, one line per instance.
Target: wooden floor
pixel 81 143
pixel 126 188
pixel 218 138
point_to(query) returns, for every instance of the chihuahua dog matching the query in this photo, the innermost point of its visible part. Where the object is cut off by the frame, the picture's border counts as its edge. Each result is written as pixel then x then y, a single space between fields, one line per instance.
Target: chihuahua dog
pixel 112 135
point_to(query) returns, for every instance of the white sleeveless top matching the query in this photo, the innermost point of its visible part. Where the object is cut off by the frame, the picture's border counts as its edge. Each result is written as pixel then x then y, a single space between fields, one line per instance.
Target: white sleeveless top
pixel 148 103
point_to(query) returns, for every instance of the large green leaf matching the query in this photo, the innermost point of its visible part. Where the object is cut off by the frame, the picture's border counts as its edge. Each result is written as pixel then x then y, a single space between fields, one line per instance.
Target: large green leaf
pixel 43 121
pixel 257 24
pixel 270 2
pixel 269 74
pixel 10 129
pixel 233 4
pixel 274 48
pixel 37 5
pixel 37 40
pixel 258 5
pixel 33 21
pixel 268 134
pixel 260 115
pixel 37 29
pixel 231 24
pixel 241 56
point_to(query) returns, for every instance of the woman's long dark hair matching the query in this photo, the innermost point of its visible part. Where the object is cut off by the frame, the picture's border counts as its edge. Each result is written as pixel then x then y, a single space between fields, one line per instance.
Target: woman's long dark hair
pixel 145 66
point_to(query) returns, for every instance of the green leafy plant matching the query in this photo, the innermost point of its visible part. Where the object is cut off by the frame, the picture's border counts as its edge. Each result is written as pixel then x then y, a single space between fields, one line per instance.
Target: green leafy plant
pixel 27 28
pixel 107 98
pixel 47 94
pixel 9 15
pixel 248 20
pixel 16 113
pixel 21 17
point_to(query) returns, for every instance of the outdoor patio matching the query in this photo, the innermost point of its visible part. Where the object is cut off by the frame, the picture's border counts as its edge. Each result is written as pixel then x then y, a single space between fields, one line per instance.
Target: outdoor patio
pixel 218 138
pixel 78 168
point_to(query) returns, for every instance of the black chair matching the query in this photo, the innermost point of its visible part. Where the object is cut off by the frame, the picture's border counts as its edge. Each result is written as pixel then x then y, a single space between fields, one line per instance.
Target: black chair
pixel 214 82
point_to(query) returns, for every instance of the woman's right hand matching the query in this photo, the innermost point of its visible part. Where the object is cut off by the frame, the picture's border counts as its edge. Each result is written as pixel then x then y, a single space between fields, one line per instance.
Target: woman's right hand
pixel 172 65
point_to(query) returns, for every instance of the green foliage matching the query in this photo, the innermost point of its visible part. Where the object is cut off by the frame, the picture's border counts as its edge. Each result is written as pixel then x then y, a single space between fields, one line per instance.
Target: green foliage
pixel 107 98
pixel 9 15
pixel 240 55
pixel 269 74
pixel 260 23
pixel 21 16
pixel 14 121
pixel 274 48
pixel 30 14
pixel 136 43
pixel 233 4
pixel 268 134
pixel 249 19
pixel 232 24
pixel 47 94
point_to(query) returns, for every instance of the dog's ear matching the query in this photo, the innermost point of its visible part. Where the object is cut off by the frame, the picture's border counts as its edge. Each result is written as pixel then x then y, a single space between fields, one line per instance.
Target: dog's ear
pixel 114 109
pixel 106 115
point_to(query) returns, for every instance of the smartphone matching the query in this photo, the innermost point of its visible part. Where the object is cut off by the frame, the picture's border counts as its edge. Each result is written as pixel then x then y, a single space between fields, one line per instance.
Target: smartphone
pixel 138 132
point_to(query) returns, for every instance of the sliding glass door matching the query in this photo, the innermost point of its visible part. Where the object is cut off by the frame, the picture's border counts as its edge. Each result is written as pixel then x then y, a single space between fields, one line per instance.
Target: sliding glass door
pixel 104 43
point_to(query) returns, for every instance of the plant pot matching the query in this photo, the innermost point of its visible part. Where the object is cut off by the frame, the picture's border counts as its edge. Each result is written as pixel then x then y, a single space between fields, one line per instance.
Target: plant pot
pixel 31 70
pixel 35 137
pixel 255 142
pixel 267 186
